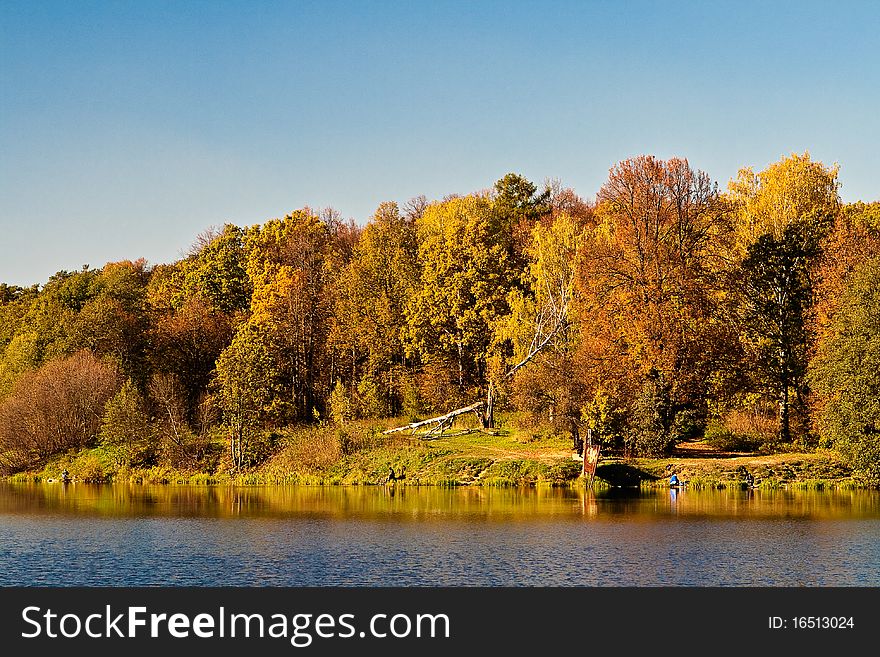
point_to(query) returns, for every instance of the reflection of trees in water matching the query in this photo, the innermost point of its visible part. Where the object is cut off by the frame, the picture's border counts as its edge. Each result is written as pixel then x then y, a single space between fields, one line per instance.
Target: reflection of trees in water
pixel 426 504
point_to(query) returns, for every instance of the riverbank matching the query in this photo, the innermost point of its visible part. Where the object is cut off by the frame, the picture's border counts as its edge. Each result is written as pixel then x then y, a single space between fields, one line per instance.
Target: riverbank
pixel 466 457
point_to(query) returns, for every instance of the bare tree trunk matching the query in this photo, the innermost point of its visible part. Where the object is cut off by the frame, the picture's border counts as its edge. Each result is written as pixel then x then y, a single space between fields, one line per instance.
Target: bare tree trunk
pixel 460 365
pixel 488 417
pixel 784 403
pixel 576 441
pixel 784 415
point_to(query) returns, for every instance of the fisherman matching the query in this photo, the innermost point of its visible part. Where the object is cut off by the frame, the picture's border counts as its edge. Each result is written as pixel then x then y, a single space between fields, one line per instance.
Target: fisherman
pixel 674 481
pixel 746 477
pixel 65 476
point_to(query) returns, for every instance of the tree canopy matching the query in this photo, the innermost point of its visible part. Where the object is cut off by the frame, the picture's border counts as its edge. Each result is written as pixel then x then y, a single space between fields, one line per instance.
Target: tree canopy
pixel 659 310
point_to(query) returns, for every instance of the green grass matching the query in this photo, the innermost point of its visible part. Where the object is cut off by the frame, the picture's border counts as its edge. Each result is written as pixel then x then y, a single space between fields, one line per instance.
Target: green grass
pixel 359 454
pixel 820 469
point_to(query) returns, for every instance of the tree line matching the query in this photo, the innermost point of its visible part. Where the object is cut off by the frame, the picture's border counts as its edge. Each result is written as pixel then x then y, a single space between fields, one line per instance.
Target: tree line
pixel 661 310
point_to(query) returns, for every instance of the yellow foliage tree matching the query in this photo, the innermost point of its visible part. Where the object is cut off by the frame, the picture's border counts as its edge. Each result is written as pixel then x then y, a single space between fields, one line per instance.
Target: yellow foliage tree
pixel 782 216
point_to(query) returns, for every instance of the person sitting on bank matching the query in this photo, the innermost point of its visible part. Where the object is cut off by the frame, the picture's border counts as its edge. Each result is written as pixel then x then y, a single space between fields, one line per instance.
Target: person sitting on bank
pixel 674 480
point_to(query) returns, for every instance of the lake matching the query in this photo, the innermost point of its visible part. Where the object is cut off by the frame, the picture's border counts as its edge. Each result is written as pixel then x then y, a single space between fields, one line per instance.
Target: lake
pixel 121 535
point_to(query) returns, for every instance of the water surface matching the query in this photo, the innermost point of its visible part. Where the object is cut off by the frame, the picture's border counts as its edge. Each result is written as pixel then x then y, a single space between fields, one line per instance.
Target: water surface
pixel 76 534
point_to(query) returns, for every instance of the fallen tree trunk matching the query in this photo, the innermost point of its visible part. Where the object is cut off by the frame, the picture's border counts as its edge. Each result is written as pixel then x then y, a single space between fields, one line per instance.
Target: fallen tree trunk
pixel 440 420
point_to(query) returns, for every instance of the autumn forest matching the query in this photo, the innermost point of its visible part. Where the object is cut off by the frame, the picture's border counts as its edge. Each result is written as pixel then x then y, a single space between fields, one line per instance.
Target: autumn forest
pixel 665 308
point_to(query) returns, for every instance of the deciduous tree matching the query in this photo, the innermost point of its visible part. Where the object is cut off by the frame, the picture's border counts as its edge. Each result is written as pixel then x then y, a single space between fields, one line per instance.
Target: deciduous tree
pixel 647 289
pixel 247 380
pixel 291 263
pixel 372 292
pixel 783 214
pixel 466 275
pixel 846 372
pixel 125 426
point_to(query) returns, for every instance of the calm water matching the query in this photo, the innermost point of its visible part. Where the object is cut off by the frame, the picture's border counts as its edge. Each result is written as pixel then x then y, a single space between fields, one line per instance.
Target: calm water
pixel 52 534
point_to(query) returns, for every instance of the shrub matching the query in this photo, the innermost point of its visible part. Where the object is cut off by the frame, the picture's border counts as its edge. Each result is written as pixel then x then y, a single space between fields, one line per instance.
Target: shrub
pixel 725 440
pixel 650 433
pixel 57 408
pixel 177 444
pixel 90 468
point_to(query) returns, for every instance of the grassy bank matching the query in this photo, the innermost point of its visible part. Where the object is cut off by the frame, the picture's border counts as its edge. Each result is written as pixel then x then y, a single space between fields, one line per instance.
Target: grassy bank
pixel 510 456
pixel 821 469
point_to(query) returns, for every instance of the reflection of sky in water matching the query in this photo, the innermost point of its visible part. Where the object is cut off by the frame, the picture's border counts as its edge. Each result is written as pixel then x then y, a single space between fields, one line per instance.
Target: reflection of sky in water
pixel 427 537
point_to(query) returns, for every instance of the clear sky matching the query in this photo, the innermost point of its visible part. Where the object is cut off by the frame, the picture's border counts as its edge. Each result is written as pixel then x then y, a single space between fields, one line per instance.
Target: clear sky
pixel 127 128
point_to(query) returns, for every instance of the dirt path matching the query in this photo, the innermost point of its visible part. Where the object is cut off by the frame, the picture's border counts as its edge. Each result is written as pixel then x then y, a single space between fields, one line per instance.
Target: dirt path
pixel 697 449
pixel 511 454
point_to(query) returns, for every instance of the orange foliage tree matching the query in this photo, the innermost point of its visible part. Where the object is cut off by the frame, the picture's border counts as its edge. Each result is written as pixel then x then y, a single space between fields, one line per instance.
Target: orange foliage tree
pixel 647 292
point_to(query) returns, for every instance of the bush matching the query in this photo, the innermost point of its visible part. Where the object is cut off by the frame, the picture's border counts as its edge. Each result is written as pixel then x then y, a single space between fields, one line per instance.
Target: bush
pixel 725 440
pixel 57 408
pixel 88 467
pixel 650 432
pixel 176 443
pixel 438 387
pixel 261 447
pixel 760 423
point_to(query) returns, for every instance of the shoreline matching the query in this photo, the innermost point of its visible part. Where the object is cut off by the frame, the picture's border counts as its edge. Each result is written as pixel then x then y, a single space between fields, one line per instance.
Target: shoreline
pixel 437 465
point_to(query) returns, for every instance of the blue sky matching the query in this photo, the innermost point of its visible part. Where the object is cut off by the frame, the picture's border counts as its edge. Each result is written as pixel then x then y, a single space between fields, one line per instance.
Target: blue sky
pixel 127 128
